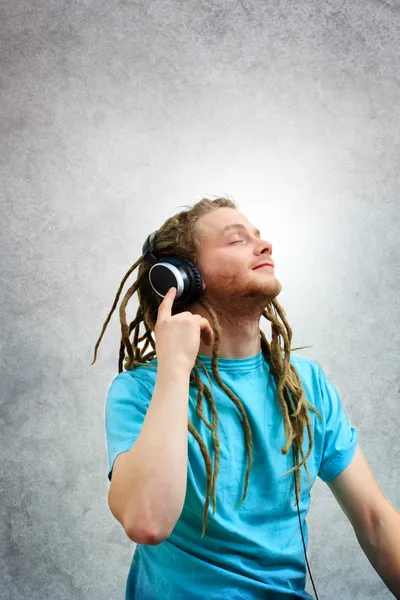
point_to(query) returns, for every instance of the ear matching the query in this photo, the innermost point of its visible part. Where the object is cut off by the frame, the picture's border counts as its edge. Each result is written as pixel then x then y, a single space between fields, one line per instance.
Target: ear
pixel 203 286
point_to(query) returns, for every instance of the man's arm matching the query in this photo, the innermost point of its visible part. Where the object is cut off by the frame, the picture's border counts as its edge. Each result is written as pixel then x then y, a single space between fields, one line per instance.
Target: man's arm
pixel 149 481
pixel 375 521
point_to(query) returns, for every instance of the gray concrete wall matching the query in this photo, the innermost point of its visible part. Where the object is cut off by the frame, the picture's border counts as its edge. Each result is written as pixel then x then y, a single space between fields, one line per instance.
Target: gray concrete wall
pixel 113 114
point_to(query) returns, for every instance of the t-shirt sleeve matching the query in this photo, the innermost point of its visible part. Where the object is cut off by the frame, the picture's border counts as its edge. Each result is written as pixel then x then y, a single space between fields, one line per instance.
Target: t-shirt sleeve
pixel 340 437
pixel 125 410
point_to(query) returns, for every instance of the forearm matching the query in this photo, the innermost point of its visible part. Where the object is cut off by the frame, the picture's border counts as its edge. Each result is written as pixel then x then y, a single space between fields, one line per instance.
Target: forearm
pixel 383 549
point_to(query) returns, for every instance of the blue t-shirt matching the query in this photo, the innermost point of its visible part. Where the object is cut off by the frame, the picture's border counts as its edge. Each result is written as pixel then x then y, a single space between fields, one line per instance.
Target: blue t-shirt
pixel 254 551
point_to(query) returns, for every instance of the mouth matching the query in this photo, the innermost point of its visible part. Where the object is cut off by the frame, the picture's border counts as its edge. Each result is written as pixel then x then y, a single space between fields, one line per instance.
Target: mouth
pixel 263 266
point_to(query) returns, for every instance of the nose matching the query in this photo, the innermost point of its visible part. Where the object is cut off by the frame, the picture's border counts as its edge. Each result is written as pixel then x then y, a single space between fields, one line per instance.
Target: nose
pixel 266 247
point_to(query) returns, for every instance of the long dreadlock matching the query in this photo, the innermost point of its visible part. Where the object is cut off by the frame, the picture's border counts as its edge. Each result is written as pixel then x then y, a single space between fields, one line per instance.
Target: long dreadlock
pixel 178 237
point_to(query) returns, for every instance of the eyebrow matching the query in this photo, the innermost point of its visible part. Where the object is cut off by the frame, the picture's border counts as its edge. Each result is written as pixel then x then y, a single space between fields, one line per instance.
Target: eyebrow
pixel 239 226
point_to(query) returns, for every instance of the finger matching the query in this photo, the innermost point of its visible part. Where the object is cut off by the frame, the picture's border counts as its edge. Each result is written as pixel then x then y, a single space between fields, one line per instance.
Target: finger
pixel 166 304
pixel 208 334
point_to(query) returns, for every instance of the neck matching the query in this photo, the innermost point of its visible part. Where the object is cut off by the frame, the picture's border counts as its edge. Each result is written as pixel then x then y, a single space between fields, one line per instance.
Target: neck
pixel 240 335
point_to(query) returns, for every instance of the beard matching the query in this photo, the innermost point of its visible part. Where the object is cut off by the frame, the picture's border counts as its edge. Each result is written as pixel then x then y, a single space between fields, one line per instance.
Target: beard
pixel 234 298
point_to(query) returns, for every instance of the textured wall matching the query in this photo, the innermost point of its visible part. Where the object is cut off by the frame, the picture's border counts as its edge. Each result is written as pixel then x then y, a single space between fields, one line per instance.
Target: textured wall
pixel 115 113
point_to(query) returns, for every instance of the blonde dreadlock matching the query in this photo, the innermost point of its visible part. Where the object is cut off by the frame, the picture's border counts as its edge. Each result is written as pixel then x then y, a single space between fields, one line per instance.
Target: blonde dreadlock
pixel 178 237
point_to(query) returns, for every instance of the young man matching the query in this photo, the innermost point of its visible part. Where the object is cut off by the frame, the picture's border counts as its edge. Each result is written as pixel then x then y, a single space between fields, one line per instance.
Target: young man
pixel 159 472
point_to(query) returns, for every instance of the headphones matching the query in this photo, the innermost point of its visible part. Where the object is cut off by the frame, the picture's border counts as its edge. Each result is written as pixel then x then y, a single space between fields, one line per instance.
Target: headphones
pixel 172 272
pixel 182 274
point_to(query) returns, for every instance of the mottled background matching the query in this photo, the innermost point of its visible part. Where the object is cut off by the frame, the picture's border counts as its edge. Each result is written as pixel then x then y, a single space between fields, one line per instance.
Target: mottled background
pixel 113 115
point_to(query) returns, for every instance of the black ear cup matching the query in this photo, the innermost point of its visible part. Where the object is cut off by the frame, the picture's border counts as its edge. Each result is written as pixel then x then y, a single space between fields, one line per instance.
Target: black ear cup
pixel 172 271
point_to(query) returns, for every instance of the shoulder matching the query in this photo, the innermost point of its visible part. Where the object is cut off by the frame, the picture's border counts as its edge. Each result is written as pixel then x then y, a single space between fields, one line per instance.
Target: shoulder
pixel 305 366
pixel 140 378
pixel 312 378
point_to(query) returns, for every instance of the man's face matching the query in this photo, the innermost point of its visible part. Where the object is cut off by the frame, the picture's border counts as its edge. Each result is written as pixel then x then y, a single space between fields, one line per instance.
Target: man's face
pixel 227 258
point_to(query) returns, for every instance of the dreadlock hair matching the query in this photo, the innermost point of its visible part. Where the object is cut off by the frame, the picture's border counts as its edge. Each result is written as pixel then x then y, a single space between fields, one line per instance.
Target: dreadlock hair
pixel 178 237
